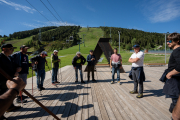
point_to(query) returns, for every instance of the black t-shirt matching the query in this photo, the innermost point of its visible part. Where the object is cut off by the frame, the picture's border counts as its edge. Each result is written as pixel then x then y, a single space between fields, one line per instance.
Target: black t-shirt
pixel 174 60
pixel 24 64
pixel 41 63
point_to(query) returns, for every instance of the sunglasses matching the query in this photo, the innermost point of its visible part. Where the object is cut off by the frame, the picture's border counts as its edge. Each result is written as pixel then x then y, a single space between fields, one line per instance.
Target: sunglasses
pixel 169 41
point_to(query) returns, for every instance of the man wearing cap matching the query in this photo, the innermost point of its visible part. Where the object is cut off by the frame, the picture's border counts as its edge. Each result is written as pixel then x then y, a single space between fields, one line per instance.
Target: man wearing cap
pixel 91 59
pixel 116 65
pixel 21 59
pixel 55 66
pixel 77 63
pixel 7 65
pixel 137 60
pixel 40 61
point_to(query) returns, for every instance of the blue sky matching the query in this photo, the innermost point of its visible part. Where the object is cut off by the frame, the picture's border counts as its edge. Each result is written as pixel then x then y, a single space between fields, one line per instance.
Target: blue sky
pixel 147 15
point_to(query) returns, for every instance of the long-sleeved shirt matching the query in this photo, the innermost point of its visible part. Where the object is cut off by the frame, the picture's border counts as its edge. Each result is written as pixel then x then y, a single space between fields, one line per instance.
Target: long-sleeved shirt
pixel 91 62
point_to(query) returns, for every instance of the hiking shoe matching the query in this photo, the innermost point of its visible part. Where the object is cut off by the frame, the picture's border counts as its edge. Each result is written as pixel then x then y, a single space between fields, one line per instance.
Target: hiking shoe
pixel 82 82
pixel 39 89
pixel 93 80
pixel 24 97
pixel 112 82
pixel 140 95
pixel 76 81
pixel 133 92
pixel 3 118
pixel 53 84
pixel 18 100
pixel 42 88
pixel 119 83
pixel 57 82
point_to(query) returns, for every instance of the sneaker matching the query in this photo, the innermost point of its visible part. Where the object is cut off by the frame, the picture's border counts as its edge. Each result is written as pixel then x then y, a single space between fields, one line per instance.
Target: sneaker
pixel 112 82
pixel 18 100
pixel 119 83
pixel 140 95
pixel 57 82
pixel 133 92
pixel 39 89
pixel 76 81
pixel 24 97
pixel 13 108
pixel 82 82
pixel 93 80
pixel 53 84
pixel 42 88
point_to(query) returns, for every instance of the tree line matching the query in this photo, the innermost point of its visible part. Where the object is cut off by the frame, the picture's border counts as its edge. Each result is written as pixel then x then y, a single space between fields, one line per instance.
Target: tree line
pixel 129 37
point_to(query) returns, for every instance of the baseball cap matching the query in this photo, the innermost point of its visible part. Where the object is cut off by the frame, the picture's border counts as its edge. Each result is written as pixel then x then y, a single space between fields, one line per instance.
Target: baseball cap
pixel 24 46
pixel 136 46
pixel 44 52
pixel 7 46
pixel 91 51
pixel 55 51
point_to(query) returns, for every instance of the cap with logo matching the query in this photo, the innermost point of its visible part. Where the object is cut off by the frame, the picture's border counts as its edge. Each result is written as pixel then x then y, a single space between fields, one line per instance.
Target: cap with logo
pixel 136 46
pixel 7 46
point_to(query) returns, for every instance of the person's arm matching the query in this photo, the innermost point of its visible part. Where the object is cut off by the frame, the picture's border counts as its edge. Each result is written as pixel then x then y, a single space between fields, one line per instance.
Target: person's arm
pixel 88 59
pixel 84 60
pixel 133 60
pixel 7 98
pixel 73 61
pixel 177 69
pixel 52 59
pixel 176 111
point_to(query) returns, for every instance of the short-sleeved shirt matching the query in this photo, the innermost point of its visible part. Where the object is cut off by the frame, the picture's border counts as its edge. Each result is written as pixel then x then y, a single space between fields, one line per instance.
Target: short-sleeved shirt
pixel 116 57
pixel 24 64
pixel 140 62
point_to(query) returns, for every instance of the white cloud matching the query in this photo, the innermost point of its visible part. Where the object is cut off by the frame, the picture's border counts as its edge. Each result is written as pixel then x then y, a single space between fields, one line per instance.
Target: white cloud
pixel 18 6
pixel 90 8
pixel 161 10
pixel 42 24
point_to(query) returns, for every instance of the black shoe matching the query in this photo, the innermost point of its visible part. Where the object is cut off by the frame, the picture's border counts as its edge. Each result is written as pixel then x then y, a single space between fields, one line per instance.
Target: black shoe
pixel 42 88
pixel 82 82
pixel 76 81
pixel 24 97
pixel 57 82
pixel 94 80
pixel 18 100
pixel 3 118
pixel 39 89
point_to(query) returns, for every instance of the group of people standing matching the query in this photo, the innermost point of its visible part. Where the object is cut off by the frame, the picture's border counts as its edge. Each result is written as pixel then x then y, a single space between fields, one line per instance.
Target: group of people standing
pixel 17 65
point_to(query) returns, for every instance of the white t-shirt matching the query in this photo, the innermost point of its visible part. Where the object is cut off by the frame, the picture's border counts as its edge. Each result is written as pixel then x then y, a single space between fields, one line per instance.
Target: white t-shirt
pixel 140 62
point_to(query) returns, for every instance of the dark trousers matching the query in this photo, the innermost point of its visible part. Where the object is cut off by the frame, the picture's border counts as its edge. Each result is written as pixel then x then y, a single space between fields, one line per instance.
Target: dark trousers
pixel 135 75
pixel 54 74
pixel 173 104
pixel 80 71
pixel 90 69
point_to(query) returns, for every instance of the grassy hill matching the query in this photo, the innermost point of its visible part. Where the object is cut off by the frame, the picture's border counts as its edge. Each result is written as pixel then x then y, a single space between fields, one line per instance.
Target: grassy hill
pixel 91 39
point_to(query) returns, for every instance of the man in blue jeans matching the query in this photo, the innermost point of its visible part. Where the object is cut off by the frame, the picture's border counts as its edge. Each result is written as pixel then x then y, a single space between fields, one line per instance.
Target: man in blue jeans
pixel 55 66
pixel 40 61
pixel 116 65
pixel 77 63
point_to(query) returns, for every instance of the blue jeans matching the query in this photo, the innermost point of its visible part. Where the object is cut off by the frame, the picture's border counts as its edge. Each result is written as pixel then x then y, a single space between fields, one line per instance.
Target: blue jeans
pixel 54 74
pixel 118 73
pixel 40 75
pixel 80 71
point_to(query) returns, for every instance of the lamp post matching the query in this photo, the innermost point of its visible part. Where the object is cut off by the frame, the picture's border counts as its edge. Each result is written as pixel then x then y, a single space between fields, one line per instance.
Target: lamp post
pixel 165 45
pixel 119 32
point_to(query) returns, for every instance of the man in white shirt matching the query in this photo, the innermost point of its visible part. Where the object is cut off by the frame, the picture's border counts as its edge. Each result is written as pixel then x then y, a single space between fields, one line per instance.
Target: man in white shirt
pixel 137 60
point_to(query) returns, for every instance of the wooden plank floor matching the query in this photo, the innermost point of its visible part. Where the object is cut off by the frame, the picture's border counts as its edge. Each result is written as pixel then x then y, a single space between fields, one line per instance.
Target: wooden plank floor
pixel 100 100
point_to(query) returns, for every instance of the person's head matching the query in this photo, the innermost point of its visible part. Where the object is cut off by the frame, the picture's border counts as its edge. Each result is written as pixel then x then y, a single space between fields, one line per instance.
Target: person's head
pixel 43 54
pixel 115 50
pixel 23 49
pixel 136 48
pixel 7 49
pixel 173 40
pixel 78 54
pixel 55 52
pixel 91 52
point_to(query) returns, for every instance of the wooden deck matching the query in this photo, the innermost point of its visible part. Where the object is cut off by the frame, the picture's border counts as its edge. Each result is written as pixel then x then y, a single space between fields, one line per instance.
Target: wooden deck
pixel 99 101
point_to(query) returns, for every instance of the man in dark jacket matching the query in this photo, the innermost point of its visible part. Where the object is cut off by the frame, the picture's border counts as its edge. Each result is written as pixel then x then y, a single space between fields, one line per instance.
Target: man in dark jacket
pixel 172 83
pixel 77 63
pixel 40 61
pixel 55 66
pixel 91 59
pixel 21 59
pixel 7 64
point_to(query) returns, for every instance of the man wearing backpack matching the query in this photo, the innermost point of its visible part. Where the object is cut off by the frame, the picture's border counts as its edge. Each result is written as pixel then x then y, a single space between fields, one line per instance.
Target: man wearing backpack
pixel 55 66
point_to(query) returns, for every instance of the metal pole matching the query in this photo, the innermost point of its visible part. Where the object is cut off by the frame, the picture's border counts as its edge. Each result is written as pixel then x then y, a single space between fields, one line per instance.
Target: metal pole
pixel 79 46
pixel 119 42
pixel 165 48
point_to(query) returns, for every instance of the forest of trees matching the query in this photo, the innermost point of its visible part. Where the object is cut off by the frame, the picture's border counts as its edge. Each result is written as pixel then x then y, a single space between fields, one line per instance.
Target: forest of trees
pixel 129 37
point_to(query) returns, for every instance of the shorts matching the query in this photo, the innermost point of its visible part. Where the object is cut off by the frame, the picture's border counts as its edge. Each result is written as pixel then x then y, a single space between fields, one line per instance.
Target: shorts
pixel 24 77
